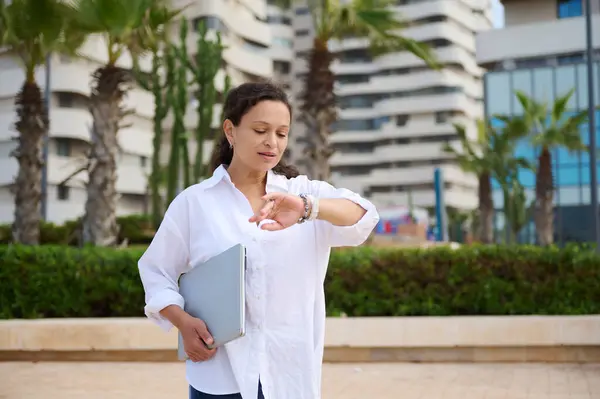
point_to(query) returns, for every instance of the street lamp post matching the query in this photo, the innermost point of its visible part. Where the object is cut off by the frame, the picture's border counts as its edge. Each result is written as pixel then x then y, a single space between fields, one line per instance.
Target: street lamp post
pixel 47 97
pixel 591 123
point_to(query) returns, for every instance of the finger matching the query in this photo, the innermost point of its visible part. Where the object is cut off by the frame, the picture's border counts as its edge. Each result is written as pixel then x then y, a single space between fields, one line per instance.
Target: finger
pixel 264 212
pixel 206 354
pixel 275 226
pixel 194 356
pixel 200 352
pixel 204 335
pixel 273 196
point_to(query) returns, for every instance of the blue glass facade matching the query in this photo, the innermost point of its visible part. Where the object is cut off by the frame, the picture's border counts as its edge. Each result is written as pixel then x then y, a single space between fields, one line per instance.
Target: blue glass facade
pixel 569 8
pixel 571 171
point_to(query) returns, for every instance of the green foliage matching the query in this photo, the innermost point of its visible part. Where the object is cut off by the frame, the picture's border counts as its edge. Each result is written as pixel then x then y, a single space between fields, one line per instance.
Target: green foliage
pixel 157 81
pixel 178 128
pixel 135 26
pixel 517 209
pixel 136 229
pixel 32 29
pixel 58 281
pixel 476 280
pixel 375 20
pixel 550 126
pixel 204 68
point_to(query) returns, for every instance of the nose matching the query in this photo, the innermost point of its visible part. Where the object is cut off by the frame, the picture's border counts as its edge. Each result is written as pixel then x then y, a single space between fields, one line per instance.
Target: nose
pixel 271 139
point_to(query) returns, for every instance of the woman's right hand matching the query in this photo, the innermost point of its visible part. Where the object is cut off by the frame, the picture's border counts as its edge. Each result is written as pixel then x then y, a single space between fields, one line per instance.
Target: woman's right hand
pixel 195 334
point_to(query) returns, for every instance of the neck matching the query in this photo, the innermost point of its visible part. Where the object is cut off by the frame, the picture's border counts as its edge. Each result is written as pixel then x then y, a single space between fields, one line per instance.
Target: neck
pixel 244 178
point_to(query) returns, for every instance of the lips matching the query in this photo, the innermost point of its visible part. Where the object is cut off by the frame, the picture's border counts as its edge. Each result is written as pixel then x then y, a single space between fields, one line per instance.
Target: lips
pixel 267 154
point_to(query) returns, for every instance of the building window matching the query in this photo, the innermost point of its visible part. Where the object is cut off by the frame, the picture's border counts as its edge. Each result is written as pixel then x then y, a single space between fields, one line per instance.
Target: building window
pixel 63 192
pixel 349 79
pixel 401 120
pixel 63 147
pixel 569 8
pixel 254 46
pixel 143 161
pixel 378 122
pixel 355 56
pixel 301 32
pixel 442 117
pixel 281 67
pixel 66 100
pixel 282 42
pixel 570 59
pixel 211 23
pixel 302 11
pixel 278 19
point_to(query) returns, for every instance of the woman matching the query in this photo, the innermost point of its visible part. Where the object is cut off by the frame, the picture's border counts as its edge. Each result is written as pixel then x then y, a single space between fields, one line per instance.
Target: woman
pixel 288 224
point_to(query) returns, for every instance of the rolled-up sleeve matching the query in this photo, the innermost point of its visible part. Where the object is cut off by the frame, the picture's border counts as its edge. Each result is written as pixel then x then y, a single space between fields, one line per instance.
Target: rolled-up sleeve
pixel 345 236
pixel 160 266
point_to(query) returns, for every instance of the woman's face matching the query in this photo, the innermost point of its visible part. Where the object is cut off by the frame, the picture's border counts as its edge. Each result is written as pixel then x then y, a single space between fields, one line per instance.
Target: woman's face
pixel 261 138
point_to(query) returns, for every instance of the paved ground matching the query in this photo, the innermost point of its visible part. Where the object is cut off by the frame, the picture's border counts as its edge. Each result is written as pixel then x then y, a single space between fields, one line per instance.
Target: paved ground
pixel 355 381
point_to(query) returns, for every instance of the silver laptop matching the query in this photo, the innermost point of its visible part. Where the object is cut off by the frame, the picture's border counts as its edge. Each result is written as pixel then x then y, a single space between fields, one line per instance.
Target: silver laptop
pixel 214 291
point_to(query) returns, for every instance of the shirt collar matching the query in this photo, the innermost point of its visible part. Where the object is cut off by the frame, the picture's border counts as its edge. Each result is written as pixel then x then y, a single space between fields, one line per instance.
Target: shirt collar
pixel 275 182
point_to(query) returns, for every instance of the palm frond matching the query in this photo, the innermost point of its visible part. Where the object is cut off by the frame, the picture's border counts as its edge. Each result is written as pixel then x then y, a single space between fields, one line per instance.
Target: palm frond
pixel 32 29
pixel 386 43
pixel 560 106
pixel 133 25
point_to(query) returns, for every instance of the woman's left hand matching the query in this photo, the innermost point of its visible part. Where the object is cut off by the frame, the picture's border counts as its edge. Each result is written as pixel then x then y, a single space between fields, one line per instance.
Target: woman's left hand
pixel 284 209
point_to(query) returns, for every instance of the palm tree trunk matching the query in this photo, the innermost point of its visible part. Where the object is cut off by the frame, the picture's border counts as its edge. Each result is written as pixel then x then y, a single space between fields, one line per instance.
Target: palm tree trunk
pixel 319 108
pixel 544 198
pixel 100 222
pixel 32 125
pixel 486 209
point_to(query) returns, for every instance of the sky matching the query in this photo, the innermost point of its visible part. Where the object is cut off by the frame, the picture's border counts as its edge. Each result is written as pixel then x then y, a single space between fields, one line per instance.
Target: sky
pixel 498 12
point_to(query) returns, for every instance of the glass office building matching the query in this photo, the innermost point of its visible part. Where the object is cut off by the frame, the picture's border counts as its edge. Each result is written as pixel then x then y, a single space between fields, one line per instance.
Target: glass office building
pixel 571 171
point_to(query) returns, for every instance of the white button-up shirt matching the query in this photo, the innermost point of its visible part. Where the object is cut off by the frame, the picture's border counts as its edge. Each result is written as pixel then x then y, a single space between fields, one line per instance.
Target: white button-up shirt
pixel 285 302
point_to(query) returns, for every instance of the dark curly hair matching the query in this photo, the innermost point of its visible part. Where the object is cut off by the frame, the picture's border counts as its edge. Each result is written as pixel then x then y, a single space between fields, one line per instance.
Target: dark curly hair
pixel 238 102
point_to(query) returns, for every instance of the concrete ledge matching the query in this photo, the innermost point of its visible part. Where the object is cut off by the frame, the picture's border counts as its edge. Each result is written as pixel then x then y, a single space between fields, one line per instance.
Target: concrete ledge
pixel 401 339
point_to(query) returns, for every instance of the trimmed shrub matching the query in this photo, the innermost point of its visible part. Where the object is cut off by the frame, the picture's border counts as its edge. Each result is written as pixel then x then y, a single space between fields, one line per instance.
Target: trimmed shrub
pixel 135 229
pixel 61 281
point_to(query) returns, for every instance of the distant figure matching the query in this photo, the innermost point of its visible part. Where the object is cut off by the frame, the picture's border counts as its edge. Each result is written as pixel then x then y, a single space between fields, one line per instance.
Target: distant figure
pixel 288 224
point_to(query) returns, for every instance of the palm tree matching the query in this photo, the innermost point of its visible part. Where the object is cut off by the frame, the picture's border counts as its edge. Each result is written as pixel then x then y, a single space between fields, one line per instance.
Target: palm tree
pixel 477 157
pixel 517 209
pixel 337 19
pixel 488 156
pixel 30 30
pixel 550 130
pixel 132 27
pixel 507 171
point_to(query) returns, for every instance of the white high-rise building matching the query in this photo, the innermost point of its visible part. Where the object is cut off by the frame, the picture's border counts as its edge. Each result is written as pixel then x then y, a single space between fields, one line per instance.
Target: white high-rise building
pixel 70 124
pixel 395 112
pixel 253 53
pixel 282 42
pixel 254 35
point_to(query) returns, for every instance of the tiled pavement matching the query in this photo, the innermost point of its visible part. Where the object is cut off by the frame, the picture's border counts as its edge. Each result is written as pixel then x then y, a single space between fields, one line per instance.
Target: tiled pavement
pixel 347 381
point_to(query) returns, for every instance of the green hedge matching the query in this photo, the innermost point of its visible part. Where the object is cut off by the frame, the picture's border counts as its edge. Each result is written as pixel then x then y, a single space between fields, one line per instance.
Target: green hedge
pixel 54 281
pixel 136 229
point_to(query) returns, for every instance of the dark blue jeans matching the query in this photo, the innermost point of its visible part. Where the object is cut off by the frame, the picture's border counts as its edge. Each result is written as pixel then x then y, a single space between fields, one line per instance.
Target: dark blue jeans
pixel 194 394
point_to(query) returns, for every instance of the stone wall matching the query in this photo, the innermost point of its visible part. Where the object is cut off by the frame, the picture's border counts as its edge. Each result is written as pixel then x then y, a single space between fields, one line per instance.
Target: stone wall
pixel 377 339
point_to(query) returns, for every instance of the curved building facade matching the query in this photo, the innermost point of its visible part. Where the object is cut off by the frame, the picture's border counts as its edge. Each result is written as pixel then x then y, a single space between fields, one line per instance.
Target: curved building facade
pixel 257 38
pixel 395 112
pixel 70 123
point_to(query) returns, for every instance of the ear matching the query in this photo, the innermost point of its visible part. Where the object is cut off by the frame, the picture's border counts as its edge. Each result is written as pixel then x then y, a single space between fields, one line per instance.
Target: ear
pixel 228 130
